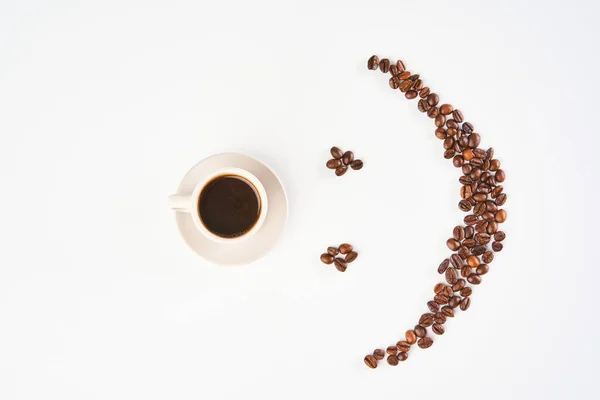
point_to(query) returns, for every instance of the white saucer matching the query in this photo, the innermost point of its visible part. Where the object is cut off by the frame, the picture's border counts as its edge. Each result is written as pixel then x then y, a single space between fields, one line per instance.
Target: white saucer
pixel 257 245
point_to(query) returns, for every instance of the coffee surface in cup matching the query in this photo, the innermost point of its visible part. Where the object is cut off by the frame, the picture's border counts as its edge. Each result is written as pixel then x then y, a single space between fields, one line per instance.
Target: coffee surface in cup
pixel 229 206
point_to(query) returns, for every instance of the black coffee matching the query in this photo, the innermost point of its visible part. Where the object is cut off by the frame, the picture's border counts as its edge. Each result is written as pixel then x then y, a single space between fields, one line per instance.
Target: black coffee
pixel 229 206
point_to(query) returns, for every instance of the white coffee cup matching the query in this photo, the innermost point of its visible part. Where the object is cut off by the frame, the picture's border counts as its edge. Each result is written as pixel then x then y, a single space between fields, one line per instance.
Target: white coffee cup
pixel 189 203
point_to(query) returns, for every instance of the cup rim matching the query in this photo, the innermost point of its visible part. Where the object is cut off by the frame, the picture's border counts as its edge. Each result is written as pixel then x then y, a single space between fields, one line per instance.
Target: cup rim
pixel 226 171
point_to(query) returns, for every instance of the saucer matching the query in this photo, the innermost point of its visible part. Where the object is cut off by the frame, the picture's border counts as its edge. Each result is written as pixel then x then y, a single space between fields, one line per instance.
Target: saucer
pixel 257 245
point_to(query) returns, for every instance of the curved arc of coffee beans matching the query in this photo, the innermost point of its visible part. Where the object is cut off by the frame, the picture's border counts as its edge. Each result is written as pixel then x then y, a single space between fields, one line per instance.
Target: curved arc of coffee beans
pixel 474 243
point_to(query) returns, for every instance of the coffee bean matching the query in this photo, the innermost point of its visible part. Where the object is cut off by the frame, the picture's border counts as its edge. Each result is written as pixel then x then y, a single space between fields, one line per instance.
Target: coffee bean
pixel 341 170
pixel 458 161
pixel 336 153
pixel 333 163
pixel 473 261
pixel 393 70
pixel 474 140
pixel 340 264
pixel 481 226
pixel 451 276
pixel 479 153
pixel 478 250
pixel 452 132
pixel 497 246
pixel 426 320
pixel 486 164
pixel 394 82
pixel 500 216
pixel 491 206
pixel 370 360
pixel 466 292
pixel 448 143
pixel 405 86
pixel 379 354
pixel 482 238
pixel 476 162
pixel 470 219
pixel 464 205
pixel 418 85
pixel 466 169
pixel 440 299
pixel 465 271
pixel 438 329
pixel 458 116
pixel 501 199
pixel 492 227
pixel 402 356
pixel 384 65
pixel 433 112
pixel 463 141
pixel 373 63
pixel 458 233
pixel 410 336
pixel 433 99
pixel 356 165
pixel 392 350
pixel 392 360
pixel 440 133
pixel 327 258
pixel 487 257
pixel 439 318
pixel 425 342
pixel 468 128
pixel 433 306
pixel 447 291
pixel 465 303
pixel 440 120
pixel 414 77
pixel 463 252
pixel 423 107
pixel 446 109
pixel 345 248
pixel 465 192
pixel 411 94
pixel 469 243
pixel 500 176
pixel 468 154
pixel 499 236
pixel 456 261
pixel 448 311
pixel 403 345
pixel 404 75
pixel 419 331
pixel 459 285
pixel 479 208
pixel 351 256
pixel 448 154
pixel 348 157
pixel 400 66
pixel 494 165
pixel 443 266
pixel 453 244
pixel 474 279
pixel 482 269
pixel 438 288
pixel 332 250
pixel 497 190
pixel 475 173
pixel 487 216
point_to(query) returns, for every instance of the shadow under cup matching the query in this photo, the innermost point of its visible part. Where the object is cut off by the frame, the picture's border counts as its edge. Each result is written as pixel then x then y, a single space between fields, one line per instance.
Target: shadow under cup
pixel 229 206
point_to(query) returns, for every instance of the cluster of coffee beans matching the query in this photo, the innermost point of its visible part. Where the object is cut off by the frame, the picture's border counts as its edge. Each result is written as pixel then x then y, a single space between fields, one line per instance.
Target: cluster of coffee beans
pixel 342 160
pixel 482 196
pixel 331 257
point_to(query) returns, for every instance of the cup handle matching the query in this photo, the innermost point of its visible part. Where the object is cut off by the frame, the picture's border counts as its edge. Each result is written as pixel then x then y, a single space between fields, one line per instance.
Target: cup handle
pixel 180 202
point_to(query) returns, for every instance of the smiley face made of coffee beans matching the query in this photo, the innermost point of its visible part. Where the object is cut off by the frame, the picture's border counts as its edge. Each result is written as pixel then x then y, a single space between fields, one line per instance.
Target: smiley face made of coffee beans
pixel 473 244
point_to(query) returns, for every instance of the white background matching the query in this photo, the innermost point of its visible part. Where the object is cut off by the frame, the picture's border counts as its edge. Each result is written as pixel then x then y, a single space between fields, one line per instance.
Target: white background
pixel 105 105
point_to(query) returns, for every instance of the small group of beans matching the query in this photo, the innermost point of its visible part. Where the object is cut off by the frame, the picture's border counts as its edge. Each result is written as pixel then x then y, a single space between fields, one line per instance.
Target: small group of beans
pixel 341 263
pixel 342 160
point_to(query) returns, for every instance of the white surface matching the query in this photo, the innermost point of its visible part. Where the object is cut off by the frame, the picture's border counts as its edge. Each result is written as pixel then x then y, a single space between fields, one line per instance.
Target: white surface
pixel 105 105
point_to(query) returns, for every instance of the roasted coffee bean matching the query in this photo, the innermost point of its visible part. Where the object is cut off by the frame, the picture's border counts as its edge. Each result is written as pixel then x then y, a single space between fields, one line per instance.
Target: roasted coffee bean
pixel 486 164
pixel 500 216
pixel 394 82
pixel 465 192
pixel 494 165
pixel 446 109
pixel 402 356
pixel 479 208
pixel 333 163
pixel 491 206
pixel 333 250
pixel 433 112
pixel 384 65
pixel 501 199
pixel 487 257
pixel 438 288
pixel 440 133
pixel 433 306
pixel 425 342
pixel 479 153
pixel 466 180
pixel 497 190
pixel 448 154
pixel 443 266
pixel 468 128
pixel 453 244
pixel 482 269
pixel 419 331
pixel 393 70
pixel 465 303
pixel 403 345
pixel 452 132
pixel 487 216
pixel 475 173
pixel 426 320
pixel 423 107
pixel 447 291
pixel 405 86
pixel 379 354
pixel 464 205
pixel 400 66
pixel 489 154
pixel 473 261
pixel 440 120
pixel 463 141
pixel 448 311
pixel 418 85
pixel 327 258
pixel 345 248
pixel 492 227
pixel 433 99
pixel 468 154
pixel 411 94
pixel 466 292
pixel 392 360
pixel 451 276
pixel 477 162
pixel 459 285
pixel 465 271
pixel 481 226
pixel 356 165
pixel 440 299
pixel 456 147
pixel 373 64
pixel 478 250
pixel 423 93
pixel 351 256
pixel 469 243
pixel 499 236
pixel 500 176
pixel 439 318
pixel 438 329
pixel 414 77
pixel 370 360
pixel 340 264
pixel 454 301
pixel 474 279
pixel 463 252
pixel 410 336
pixel 458 233
pixel 404 75
pixel 348 157
pixel 392 350
pixel 341 170
pixel 466 169
pixel 482 238
pixel 479 197
pixel 458 116
pixel 456 261
pixel 336 153
pixel 474 140
pixel 470 219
